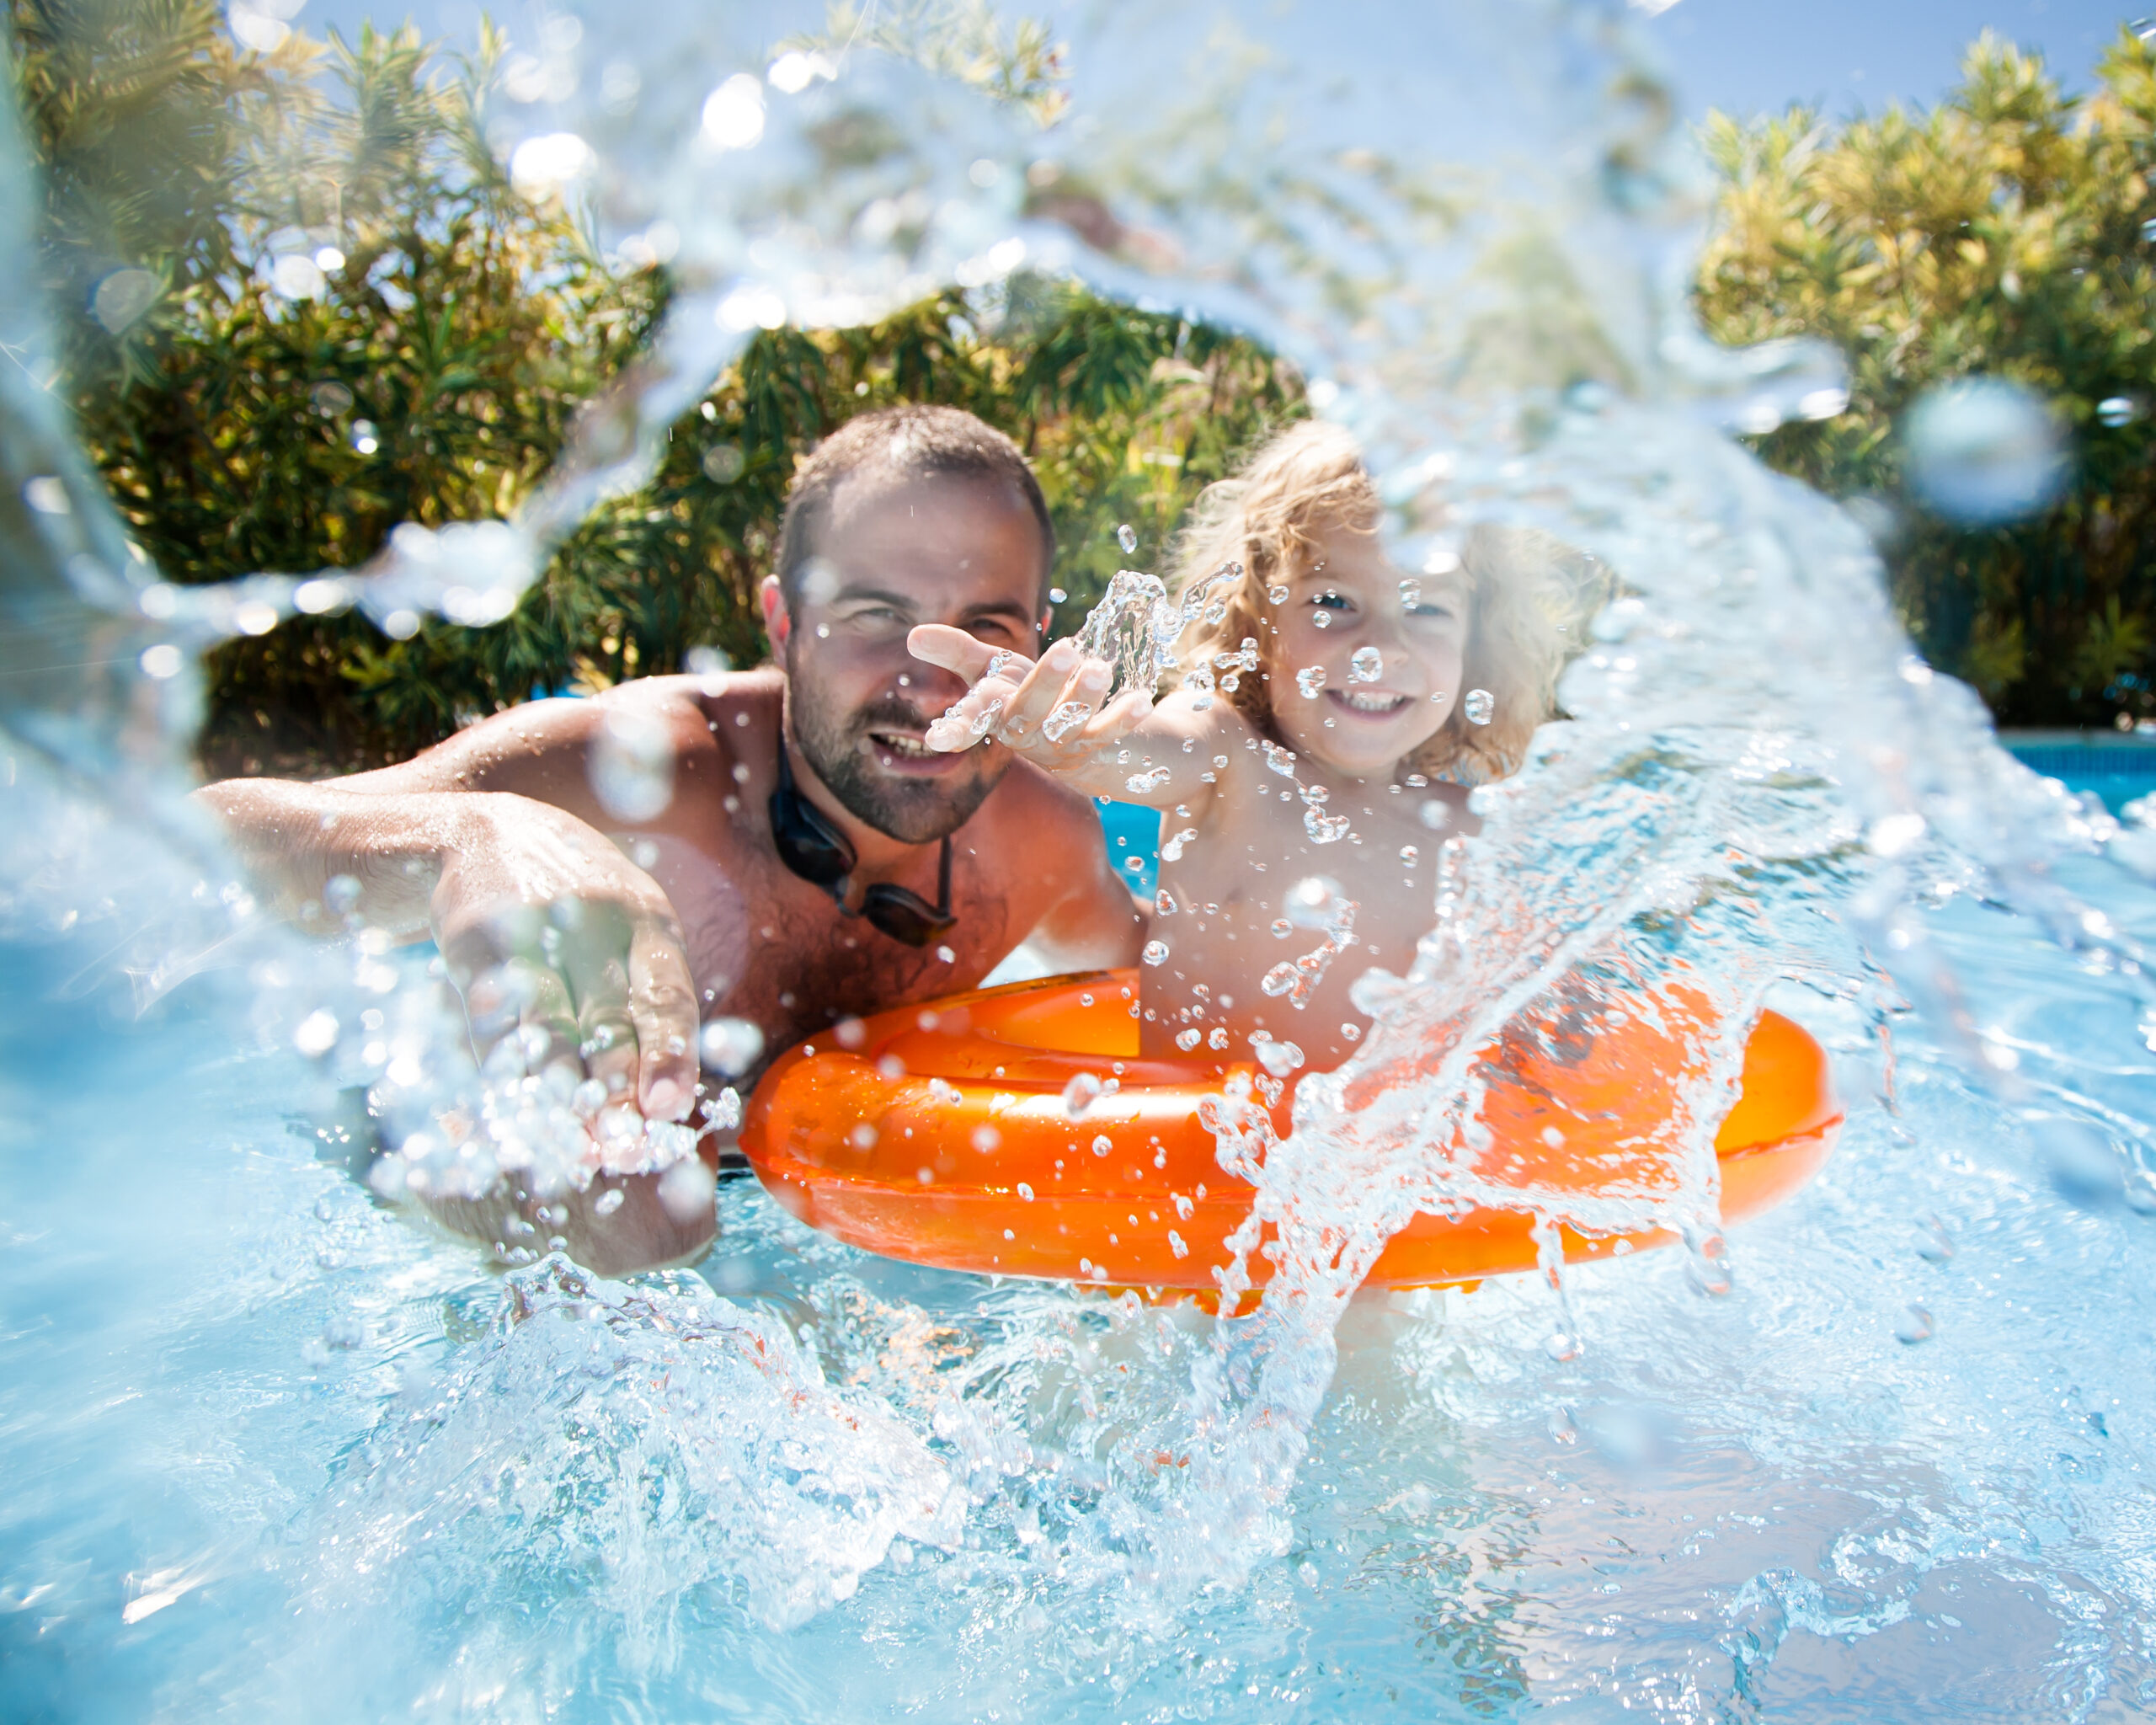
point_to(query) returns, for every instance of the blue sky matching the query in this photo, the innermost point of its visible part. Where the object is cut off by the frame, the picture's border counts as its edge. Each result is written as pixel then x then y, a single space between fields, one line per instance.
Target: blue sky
pixel 1746 56
pixel 1749 55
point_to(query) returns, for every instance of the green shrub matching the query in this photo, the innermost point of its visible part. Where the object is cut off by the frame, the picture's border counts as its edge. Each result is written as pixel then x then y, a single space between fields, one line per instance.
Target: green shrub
pixel 432 373
pixel 2010 230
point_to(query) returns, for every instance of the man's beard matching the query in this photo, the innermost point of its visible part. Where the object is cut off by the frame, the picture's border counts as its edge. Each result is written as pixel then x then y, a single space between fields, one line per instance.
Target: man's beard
pixel 913 811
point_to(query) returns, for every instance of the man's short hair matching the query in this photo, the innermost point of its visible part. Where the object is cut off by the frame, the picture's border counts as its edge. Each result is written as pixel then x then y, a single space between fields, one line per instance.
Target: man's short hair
pixel 908 442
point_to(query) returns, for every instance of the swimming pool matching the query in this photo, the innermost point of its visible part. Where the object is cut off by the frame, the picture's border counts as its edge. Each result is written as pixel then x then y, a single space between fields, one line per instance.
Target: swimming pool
pixel 275 1449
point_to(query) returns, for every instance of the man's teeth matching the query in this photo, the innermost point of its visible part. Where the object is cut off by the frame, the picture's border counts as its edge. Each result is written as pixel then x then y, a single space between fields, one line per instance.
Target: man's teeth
pixel 1364 703
pixel 905 748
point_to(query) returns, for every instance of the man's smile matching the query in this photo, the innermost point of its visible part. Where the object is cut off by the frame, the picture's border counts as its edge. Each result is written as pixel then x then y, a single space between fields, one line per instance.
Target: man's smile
pixel 905 753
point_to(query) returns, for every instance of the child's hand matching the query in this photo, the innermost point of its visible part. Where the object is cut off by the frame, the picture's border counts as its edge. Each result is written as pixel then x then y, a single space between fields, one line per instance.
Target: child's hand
pixel 1048 710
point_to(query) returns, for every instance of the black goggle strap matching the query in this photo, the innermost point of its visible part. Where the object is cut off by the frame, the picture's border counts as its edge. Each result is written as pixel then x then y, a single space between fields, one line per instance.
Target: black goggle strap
pixel 807 842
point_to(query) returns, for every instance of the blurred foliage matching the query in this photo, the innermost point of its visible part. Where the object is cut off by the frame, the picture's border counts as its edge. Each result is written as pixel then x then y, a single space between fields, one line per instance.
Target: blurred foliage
pixel 2009 232
pixel 302 303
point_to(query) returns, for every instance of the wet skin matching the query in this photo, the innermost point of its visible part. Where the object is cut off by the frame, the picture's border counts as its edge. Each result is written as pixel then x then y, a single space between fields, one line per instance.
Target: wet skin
pixel 689 915
pixel 1249 844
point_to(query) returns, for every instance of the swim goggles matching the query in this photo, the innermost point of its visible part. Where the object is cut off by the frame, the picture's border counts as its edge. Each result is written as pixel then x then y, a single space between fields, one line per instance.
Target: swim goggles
pixel 820 853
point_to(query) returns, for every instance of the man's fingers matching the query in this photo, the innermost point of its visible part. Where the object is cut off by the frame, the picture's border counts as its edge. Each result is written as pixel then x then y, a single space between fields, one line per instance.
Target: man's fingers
pixel 951 649
pixel 546 1022
pixel 663 1007
pixel 608 1030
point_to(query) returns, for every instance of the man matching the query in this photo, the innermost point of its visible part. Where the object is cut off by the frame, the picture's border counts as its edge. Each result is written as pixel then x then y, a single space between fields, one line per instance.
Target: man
pixel 778 845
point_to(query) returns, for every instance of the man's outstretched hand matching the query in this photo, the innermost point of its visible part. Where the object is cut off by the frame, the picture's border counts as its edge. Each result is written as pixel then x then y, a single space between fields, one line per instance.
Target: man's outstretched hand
pixel 554 936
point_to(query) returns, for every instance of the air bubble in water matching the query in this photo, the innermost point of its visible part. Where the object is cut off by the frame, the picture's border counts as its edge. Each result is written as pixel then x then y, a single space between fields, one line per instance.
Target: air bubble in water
pixel 729 1045
pixel 1156 953
pixel 1984 451
pixel 1079 1094
pixel 1310 679
pixel 1480 707
pixel 1126 536
pixel 1366 665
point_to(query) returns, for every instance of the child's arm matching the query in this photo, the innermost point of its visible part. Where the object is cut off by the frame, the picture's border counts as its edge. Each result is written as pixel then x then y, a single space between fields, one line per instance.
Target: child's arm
pixel 1045 712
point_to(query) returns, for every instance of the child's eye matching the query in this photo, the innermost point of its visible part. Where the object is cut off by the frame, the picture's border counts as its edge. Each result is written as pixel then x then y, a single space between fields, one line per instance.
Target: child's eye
pixel 1435 609
pixel 1331 601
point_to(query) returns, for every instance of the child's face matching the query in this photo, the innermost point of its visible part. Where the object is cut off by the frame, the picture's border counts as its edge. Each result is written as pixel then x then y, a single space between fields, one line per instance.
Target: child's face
pixel 1350 613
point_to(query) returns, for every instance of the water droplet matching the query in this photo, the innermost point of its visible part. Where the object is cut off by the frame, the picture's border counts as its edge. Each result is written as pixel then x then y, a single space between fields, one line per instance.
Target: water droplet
pixel 1366 665
pixel 1080 1093
pixel 1279 760
pixel 1280 980
pixel 1561 1345
pixel 631 767
pixel 366 439
pixel 2149 232
pixel 1126 536
pixel 1278 596
pixel 1915 1324
pixel 1151 780
pixel 1410 593
pixel 1156 953
pixel 1436 814
pixel 1309 680
pixel 1480 707
pixel 2117 410
pixel 1065 719
pixel 1025 1192
pixel 730 1046
pixel 1313 901
pixel 1984 451
pixel 1321 620
pixel 1102 1143
pixel 1277 1058
pixel 1186 1040
pixel 1408 854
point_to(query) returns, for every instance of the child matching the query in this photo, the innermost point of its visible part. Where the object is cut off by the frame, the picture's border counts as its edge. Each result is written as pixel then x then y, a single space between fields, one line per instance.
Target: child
pixel 1332 710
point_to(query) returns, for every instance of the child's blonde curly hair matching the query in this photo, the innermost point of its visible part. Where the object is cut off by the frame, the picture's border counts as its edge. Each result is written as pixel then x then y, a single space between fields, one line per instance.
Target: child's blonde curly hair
pixel 1527 591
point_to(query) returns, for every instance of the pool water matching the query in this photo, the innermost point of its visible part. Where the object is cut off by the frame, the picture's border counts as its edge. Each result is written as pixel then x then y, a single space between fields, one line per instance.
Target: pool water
pixel 273 1449
pixel 2118 773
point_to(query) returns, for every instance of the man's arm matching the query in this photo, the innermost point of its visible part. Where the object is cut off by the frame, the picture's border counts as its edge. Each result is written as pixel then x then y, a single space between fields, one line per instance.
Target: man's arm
pixel 440 844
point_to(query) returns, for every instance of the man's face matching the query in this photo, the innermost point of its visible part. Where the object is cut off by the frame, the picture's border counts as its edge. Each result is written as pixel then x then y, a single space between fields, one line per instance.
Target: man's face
pixel 897 552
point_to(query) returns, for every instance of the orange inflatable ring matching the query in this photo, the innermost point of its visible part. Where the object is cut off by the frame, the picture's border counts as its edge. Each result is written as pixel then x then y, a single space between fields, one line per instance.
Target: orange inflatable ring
pixel 942 1136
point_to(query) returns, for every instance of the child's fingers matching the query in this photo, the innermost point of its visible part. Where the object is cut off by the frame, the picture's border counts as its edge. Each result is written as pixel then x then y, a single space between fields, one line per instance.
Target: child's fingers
pixel 1109 724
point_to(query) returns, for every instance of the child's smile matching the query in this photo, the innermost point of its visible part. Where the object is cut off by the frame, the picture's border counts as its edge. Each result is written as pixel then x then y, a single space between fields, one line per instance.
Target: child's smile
pixel 1365 662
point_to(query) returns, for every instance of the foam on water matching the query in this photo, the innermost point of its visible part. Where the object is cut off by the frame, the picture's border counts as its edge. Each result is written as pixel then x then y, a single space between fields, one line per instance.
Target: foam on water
pixel 289 1454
